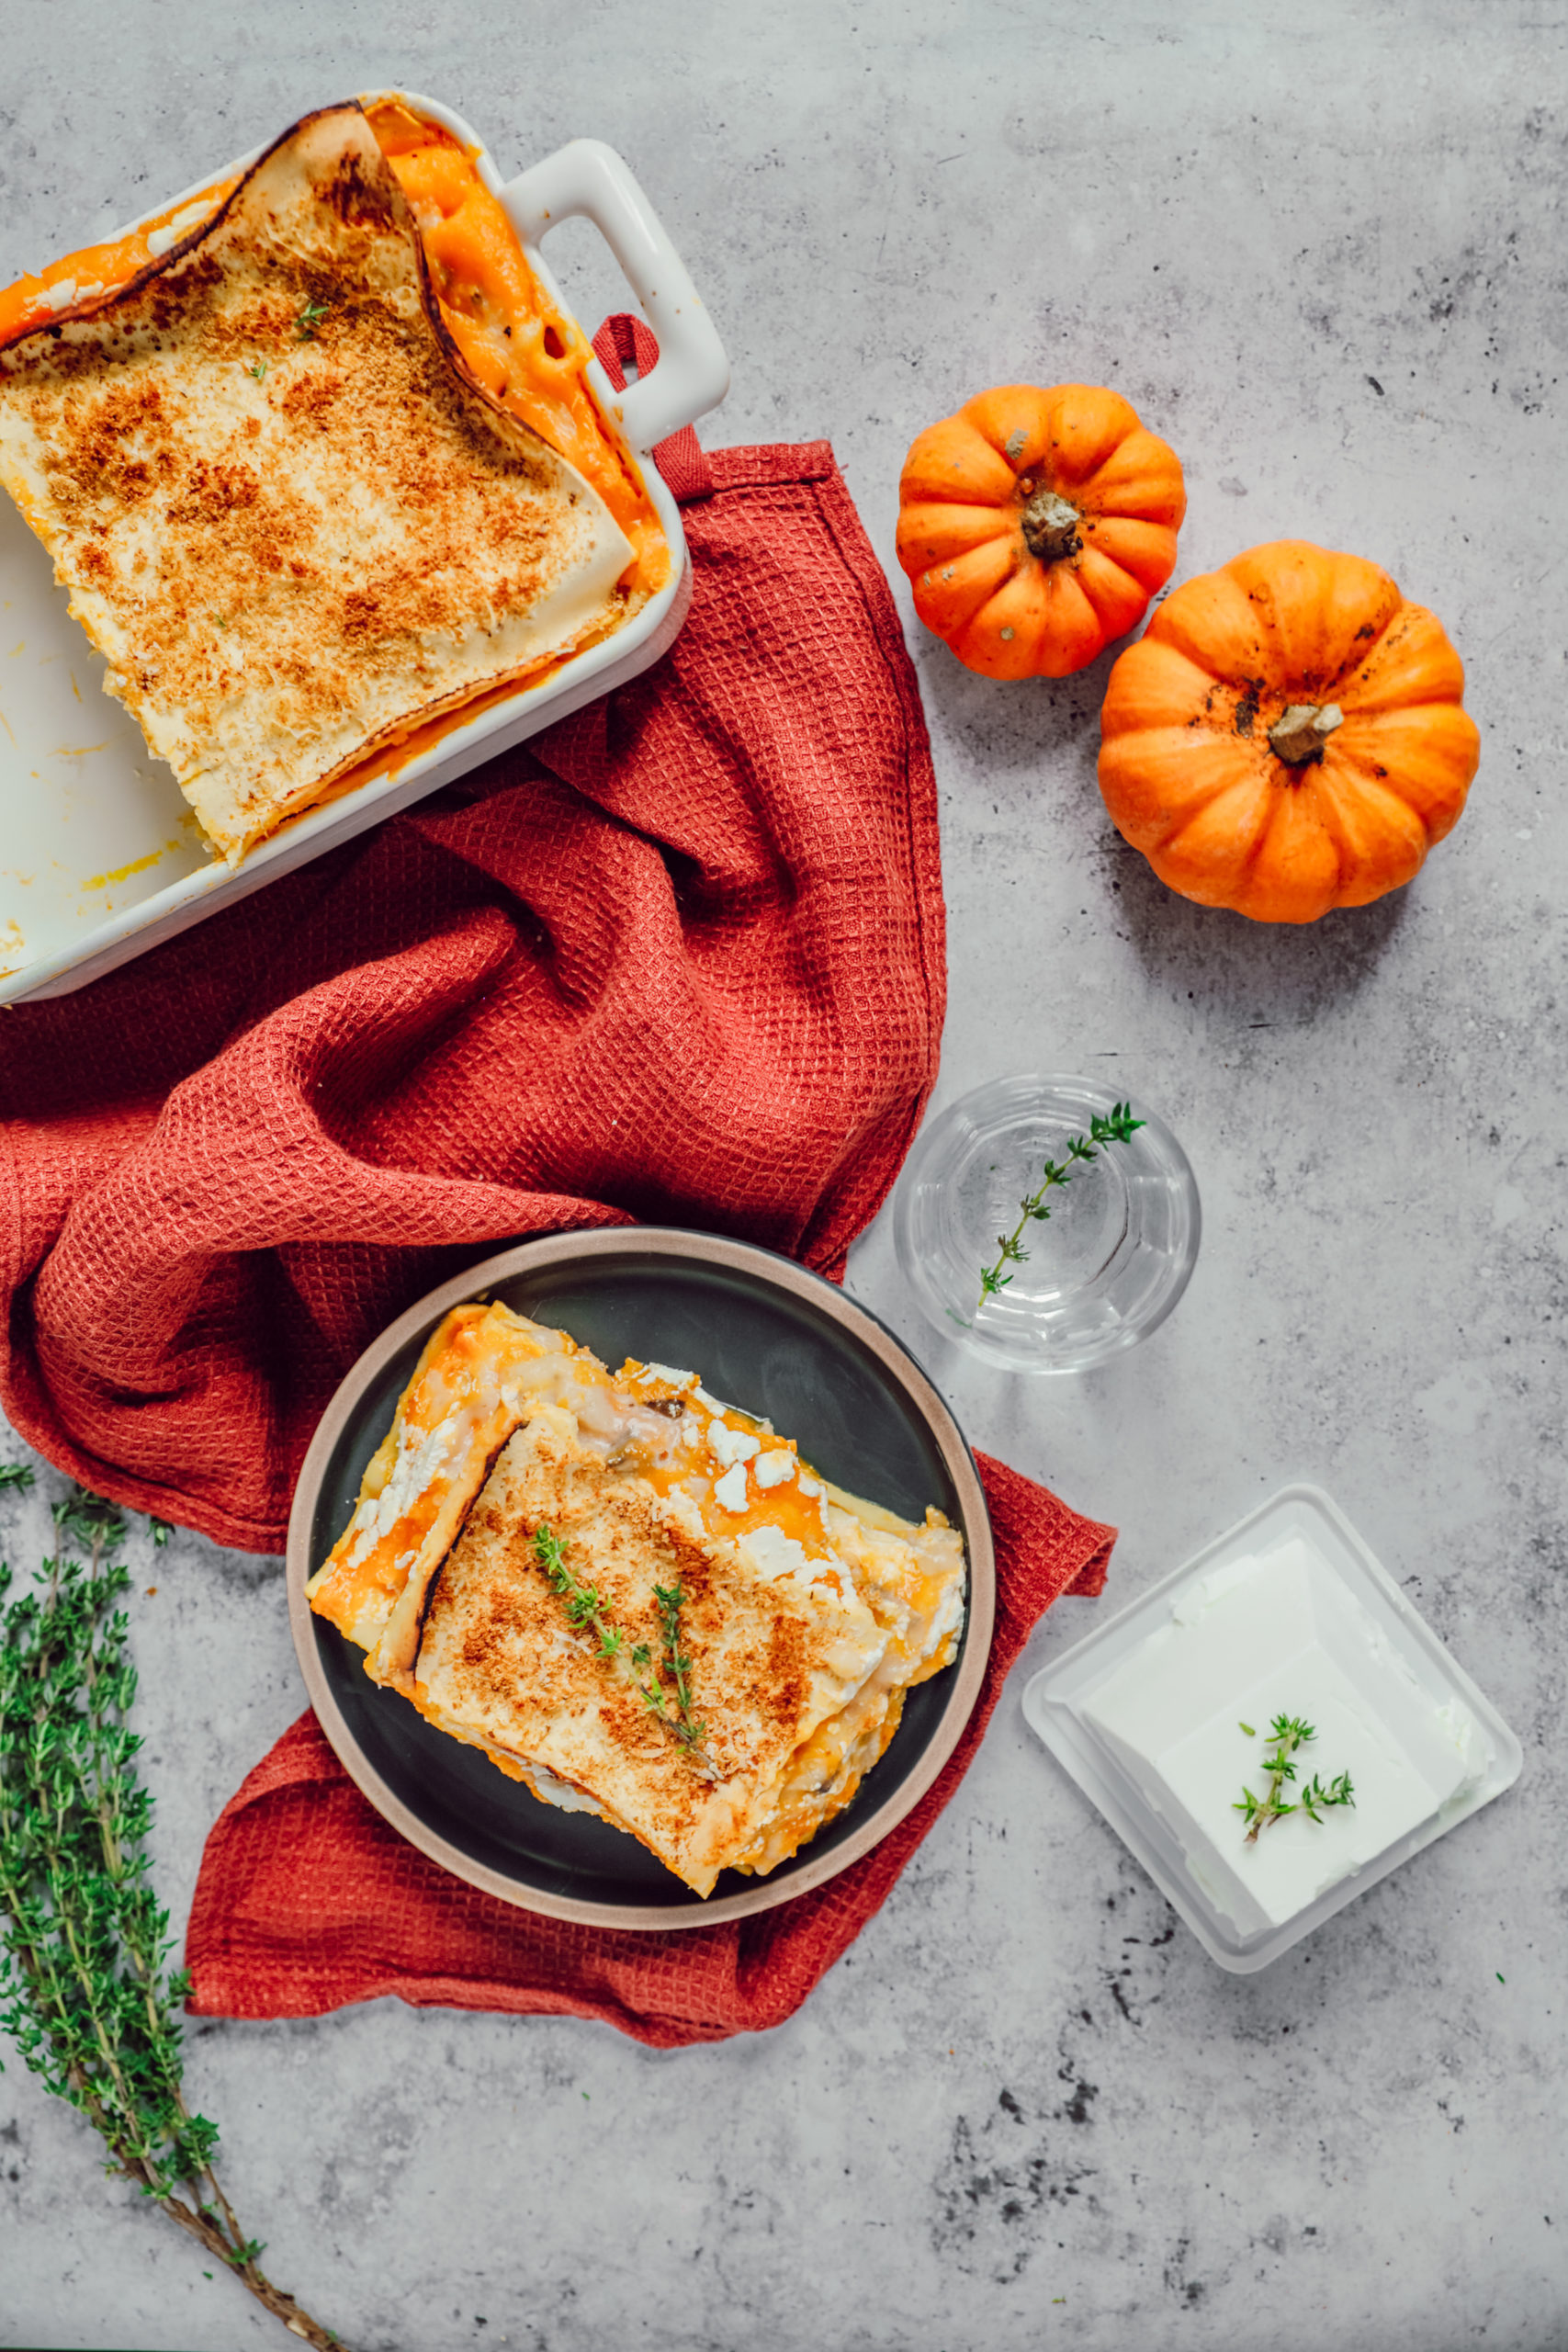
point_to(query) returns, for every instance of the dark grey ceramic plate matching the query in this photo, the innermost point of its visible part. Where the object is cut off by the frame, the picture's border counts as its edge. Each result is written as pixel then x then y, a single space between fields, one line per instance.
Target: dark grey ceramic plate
pixel 765 1335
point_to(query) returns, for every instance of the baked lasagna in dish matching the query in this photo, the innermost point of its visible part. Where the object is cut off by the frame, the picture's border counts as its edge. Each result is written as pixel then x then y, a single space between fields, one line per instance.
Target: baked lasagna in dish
pixel 637 1600
pixel 318 465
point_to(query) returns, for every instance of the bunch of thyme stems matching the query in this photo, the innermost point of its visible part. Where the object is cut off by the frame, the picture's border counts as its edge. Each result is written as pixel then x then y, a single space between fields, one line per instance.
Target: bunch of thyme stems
pixel 587 1611
pixel 84 1991
pixel 1117 1126
pixel 1286 1734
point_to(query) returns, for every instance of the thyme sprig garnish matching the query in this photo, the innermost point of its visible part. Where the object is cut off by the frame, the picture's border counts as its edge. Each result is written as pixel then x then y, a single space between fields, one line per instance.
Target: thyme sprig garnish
pixel 1287 1734
pixel 309 318
pixel 587 1611
pixel 1118 1126
pixel 669 1600
pixel 84 1992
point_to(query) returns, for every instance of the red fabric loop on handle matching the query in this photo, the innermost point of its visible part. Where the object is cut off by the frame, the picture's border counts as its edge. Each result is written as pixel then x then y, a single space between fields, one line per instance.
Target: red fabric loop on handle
pixel 681 458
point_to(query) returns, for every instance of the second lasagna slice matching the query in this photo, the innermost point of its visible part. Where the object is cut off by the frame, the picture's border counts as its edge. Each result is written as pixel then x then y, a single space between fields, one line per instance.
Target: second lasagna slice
pixel 634 1597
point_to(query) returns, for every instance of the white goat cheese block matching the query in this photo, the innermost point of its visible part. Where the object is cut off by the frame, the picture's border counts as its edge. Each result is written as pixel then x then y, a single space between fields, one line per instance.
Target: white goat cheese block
pixel 1280 1635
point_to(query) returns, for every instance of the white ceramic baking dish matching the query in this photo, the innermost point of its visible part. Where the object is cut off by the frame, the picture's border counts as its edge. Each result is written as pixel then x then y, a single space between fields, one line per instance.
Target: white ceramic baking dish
pixel 100 857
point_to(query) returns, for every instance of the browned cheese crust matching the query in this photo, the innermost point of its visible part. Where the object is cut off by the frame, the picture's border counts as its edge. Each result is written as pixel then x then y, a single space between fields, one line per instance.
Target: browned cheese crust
pixel 292 522
pixel 500 1664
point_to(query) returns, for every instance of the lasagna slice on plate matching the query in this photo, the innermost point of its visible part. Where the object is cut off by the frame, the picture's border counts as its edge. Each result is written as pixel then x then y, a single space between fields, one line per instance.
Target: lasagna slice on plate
pixel 637 1600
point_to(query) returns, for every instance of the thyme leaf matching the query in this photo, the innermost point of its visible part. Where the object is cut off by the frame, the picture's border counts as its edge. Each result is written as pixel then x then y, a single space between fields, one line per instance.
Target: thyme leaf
pixel 1286 1734
pixel 86 1992
pixel 309 318
pixel 587 1611
pixel 1118 1126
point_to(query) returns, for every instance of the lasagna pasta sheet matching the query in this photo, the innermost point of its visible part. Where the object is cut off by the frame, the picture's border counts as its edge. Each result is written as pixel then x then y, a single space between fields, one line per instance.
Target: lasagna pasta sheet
pixel 806 1614
pixel 286 512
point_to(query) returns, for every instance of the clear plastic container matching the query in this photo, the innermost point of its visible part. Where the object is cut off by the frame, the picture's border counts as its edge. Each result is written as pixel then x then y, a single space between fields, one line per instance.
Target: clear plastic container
pixel 1367 1637
pixel 1102 1273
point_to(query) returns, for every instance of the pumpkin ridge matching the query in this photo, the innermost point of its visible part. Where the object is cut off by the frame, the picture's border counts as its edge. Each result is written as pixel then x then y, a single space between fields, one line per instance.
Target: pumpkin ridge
pixel 1241 788
pixel 1139 492
pixel 929 534
pixel 1369 640
pixel 1418 667
pixel 1116 593
pixel 1365 867
pixel 1157 829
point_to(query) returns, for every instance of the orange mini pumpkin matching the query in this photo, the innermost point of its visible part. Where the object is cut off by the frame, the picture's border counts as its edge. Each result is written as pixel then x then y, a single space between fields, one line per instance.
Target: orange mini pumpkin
pixel 1036 526
pixel 1287 736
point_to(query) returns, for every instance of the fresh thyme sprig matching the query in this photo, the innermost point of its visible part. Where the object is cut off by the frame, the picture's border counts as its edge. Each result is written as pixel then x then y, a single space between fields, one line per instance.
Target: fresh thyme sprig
pixel 1119 1126
pixel 309 318
pixel 84 1988
pixel 687 1730
pixel 587 1611
pixel 1286 1734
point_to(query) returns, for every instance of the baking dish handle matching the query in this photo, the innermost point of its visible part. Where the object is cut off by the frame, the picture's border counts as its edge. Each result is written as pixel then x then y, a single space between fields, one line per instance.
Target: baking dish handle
pixel 588 178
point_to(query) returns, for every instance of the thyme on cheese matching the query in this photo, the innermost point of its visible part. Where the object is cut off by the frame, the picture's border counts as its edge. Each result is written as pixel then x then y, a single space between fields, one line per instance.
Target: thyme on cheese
pixel 258 370
pixel 310 318
pixel 1119 1126
pixel 84 1989
pixel 1287 1734
pixel 587 1611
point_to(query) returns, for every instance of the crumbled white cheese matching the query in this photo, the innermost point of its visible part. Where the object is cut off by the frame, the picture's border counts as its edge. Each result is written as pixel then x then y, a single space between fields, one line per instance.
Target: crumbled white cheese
pixel 557 1791
pixel 773 1469
pixel 809 1487
pixel 160 240
pixel 773 1553
pixel 668 1373
pixel 948 1617
pixel 62 296
pixel 731 1445
pixel 731 1490
pixel 421 1459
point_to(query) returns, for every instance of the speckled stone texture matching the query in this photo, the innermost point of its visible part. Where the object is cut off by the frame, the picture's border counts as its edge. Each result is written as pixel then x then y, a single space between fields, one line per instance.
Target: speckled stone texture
pixel 1325 259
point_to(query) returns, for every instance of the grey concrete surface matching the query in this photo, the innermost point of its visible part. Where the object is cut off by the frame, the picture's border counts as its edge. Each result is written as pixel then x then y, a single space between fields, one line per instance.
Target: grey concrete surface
pixel 1324 257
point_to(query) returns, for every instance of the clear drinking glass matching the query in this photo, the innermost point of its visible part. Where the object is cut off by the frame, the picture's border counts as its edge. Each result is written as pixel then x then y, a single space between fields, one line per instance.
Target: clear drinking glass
pixel 1102 1273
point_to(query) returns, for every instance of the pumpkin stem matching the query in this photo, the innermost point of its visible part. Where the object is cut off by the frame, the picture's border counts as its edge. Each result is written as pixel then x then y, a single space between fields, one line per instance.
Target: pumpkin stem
pixel 1051 526
pixel 1301 732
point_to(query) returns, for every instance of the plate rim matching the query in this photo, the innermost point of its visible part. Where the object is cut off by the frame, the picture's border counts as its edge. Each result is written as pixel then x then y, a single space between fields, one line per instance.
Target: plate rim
pixel 781 1273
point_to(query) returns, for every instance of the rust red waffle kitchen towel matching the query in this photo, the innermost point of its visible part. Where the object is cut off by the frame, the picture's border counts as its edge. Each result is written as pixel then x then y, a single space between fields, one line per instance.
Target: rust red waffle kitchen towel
pixel 678 960
pixel 307 1900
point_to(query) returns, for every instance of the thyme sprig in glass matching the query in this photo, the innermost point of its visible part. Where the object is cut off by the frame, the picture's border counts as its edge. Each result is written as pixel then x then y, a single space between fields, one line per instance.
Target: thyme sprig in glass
pixel 85 1990
pixel 1287 1734
pixel 587 1611
pixel 1118 1126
